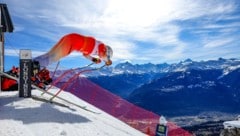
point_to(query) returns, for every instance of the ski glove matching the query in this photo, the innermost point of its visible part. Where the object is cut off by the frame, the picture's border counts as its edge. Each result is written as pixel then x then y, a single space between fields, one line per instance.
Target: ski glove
pixel 96 60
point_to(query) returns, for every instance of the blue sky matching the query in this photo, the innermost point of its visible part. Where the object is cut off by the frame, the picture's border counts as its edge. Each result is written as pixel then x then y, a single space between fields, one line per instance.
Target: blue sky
pixel 140 31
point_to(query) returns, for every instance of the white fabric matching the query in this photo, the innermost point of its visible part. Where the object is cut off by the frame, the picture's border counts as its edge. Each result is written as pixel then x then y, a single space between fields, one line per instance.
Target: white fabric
pixel 95 49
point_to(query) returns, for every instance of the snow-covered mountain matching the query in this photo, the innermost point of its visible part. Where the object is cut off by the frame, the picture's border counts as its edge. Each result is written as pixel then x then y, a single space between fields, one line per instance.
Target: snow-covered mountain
pixel 28 117
pixel 192 88
pixel 190 92
pixel 222 64
pixel 129 68
pixel 197 86
pixel 126 77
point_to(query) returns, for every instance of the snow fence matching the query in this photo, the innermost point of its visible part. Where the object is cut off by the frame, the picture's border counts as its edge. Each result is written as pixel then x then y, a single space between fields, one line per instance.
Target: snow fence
pixel 139 118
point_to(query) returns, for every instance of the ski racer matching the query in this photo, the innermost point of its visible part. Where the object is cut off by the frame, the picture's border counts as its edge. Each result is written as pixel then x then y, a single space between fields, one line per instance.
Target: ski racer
pixel 91 49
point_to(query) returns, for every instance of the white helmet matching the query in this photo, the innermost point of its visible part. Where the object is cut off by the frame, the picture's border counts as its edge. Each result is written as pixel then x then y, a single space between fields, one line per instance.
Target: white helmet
pixel 109 52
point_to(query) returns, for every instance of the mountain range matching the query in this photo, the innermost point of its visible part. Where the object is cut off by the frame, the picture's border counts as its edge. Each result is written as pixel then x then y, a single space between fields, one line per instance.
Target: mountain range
pixel 185 88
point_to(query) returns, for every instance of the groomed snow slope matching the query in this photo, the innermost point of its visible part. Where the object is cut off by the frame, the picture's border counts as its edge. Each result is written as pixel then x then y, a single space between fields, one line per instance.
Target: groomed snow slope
pixel 28 117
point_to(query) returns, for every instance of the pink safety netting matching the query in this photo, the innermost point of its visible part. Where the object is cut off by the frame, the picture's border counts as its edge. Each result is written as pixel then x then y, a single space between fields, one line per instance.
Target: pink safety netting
pixel 135 116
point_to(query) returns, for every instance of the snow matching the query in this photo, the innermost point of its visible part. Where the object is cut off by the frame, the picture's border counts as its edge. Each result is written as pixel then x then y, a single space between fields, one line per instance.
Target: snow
pixel 173 88
pixel 230 69
pixel 28 117
pixel 232 124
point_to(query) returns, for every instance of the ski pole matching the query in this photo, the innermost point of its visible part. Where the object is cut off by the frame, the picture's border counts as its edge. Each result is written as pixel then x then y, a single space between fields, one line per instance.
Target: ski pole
pixel 72 78
pixel 58 79
pixel 55 69
pixel 66 72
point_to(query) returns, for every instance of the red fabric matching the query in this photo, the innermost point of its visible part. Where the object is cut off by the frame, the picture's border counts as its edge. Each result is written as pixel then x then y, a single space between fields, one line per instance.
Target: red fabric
pixel 7 83
pixel 73 42
pixel 44 74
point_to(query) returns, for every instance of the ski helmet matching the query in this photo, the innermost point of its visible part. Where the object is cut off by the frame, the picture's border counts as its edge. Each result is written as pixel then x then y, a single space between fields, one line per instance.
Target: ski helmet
pixel 109 52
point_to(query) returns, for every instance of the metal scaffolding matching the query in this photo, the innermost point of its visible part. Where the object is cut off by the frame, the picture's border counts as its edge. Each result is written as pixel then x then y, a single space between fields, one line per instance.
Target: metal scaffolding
pixel 6 25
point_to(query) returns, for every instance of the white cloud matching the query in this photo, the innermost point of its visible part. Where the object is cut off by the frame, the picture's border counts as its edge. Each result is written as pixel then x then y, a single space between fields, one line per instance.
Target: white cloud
pixel 11 52
pixel 218 42
pixel 15 52
pixel 122 23
pixel 123 50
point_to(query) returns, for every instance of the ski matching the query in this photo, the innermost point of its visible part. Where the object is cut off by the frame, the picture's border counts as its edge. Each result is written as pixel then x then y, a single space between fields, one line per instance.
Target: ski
pixel 49 101
pixel 64 100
